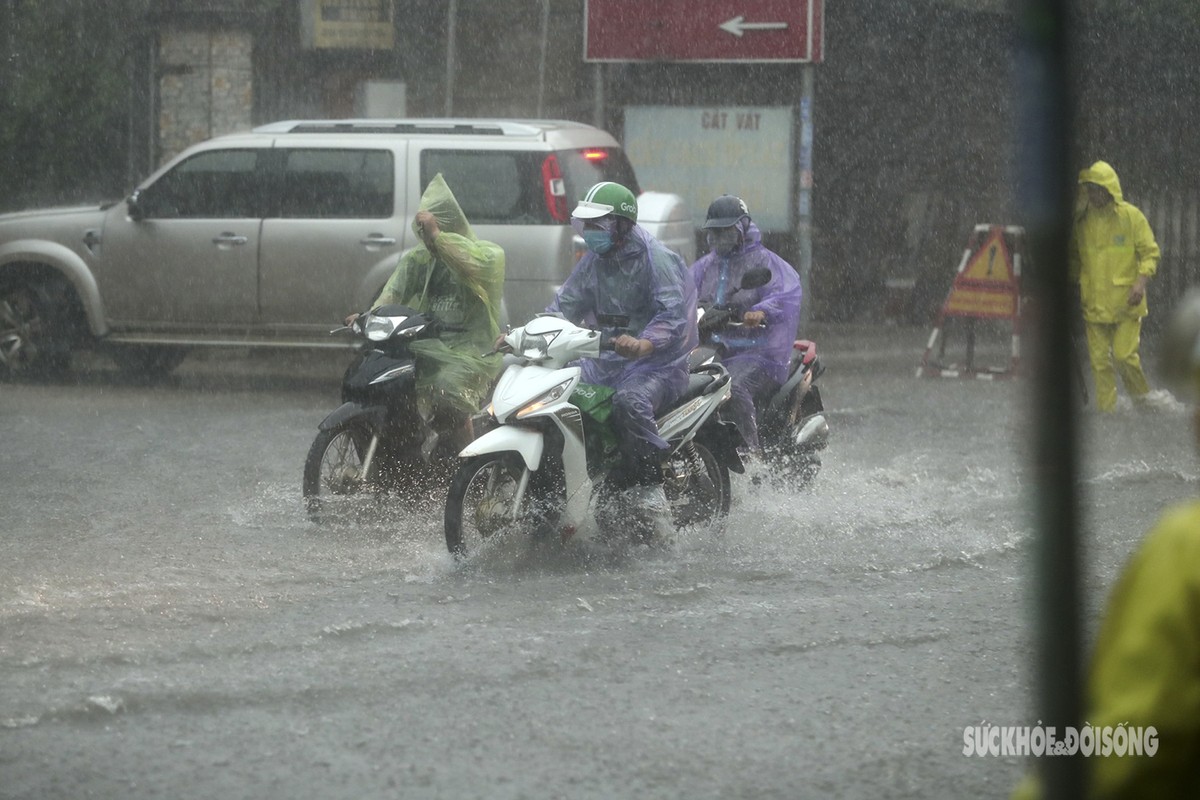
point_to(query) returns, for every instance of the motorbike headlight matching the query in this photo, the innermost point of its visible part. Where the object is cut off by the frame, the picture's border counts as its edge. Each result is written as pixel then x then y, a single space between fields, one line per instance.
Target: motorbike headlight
pixel 379 328
pixel 544 400
pixel 537 345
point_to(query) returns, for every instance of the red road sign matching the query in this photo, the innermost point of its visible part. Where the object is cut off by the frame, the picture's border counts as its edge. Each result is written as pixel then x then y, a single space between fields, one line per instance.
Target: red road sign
pixel 704 30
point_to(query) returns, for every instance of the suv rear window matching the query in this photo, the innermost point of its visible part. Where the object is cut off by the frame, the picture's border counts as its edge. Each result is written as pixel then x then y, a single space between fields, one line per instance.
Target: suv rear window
pixel 493 187
pixel 520 187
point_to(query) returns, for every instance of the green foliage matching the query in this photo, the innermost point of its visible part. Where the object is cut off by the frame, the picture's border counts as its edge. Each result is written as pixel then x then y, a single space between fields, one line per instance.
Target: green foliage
pixel 64 97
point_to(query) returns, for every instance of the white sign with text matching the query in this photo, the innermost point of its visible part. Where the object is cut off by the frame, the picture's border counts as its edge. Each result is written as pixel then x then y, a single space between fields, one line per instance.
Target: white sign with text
pixel 700 153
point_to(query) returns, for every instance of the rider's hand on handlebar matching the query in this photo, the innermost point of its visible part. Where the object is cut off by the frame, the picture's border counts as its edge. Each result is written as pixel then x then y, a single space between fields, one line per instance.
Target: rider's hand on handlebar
pixel 752 319
pixel 350 319
pixel 631 347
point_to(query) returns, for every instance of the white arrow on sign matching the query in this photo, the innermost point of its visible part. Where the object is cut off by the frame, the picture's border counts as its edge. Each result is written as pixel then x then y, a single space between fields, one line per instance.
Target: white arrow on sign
pixel 738 26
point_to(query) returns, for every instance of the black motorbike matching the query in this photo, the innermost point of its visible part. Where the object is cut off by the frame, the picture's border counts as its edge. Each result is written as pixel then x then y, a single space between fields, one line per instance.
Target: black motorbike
pixel 792 429
pixel 378 440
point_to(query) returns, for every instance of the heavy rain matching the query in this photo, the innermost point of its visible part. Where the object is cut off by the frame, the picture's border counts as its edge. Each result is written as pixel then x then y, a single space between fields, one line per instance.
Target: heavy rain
pixel 175 623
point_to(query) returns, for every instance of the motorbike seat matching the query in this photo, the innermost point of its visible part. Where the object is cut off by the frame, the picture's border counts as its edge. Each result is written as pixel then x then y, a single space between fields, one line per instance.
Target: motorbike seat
pixel 702 381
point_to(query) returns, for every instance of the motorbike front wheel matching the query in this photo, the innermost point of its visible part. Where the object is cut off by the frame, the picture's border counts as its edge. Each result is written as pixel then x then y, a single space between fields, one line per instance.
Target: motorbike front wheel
pixel 333 468
pixel 479 504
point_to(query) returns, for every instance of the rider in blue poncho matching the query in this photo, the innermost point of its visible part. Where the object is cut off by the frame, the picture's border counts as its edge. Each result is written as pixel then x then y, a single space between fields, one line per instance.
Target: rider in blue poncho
pixel 627 272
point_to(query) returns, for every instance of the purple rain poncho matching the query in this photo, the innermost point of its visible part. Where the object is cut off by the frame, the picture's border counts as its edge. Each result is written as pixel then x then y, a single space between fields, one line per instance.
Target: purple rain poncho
pixel 651 285
pixel 717 277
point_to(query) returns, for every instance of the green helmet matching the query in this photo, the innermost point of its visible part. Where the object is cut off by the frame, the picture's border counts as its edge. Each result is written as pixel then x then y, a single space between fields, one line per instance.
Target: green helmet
pixel 607 198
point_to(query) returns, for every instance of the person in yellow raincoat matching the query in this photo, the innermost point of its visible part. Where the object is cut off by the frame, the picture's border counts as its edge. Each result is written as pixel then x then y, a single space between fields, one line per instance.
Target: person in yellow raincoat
pixel 1145 669
pixel 1112 256
pixel 458 278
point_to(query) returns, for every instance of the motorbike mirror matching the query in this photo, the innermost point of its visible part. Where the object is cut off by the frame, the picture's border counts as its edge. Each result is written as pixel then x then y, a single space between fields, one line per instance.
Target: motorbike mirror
pixel 756 277
pixel 137 212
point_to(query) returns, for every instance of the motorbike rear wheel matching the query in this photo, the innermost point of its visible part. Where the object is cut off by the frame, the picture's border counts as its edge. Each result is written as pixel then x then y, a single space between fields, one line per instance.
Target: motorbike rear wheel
pixel 479 502
pixel 804 466
pixel 697 488
pixel 333 467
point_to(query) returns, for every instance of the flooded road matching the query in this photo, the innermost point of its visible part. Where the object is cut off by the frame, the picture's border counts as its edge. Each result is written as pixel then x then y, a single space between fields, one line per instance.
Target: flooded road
pixel 173 625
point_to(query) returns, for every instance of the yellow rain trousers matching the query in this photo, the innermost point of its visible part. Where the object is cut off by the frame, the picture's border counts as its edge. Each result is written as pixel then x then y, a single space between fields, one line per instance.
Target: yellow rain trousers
pixel 1112 245
pixel 1145 670
pixel 462 285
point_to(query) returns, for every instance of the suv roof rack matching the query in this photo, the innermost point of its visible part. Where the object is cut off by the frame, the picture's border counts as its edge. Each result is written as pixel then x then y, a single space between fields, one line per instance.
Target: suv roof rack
pixel 410 126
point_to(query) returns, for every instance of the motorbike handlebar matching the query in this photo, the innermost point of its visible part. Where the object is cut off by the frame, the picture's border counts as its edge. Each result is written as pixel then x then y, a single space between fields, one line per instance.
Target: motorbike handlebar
pixel 356 325
pixel 608 340
pixel 715 318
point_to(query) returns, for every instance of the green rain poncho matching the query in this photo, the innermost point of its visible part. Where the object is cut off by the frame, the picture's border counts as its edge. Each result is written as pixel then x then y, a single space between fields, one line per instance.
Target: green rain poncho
pixel 461 285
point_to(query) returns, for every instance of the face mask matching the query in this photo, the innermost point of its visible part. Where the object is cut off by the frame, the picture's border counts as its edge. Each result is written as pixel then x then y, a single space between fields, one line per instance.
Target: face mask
pixel 723 241
pixel 599 242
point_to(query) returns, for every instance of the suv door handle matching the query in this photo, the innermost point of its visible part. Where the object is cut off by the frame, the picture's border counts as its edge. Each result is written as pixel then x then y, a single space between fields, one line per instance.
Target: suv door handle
pixel 378 239
pixel 229 238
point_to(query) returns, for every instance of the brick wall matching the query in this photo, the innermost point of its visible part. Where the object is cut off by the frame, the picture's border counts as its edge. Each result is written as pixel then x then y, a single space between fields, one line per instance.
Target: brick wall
pixel 205 88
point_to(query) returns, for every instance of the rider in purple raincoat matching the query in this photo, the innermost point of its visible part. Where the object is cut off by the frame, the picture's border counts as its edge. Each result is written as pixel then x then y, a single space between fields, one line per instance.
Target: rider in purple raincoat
pixel 626 271
pixel 757 357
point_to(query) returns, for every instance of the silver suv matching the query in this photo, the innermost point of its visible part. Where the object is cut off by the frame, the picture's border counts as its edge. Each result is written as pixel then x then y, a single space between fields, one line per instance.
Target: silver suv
pixel 273 236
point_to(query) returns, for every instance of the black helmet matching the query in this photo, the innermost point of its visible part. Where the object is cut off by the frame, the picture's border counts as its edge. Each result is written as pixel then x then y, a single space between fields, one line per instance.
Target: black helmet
pixel 726 210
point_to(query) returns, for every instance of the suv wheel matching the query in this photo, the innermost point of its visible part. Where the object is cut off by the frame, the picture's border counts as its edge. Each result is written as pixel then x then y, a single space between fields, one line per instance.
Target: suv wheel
pixel 32 342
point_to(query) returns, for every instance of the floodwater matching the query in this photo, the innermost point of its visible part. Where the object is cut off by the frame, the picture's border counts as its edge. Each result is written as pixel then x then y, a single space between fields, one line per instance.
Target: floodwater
pixel 172 624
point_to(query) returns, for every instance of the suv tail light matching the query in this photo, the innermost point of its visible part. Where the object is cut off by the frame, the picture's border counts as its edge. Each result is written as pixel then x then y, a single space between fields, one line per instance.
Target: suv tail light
pixel 595 155
pixel 555 189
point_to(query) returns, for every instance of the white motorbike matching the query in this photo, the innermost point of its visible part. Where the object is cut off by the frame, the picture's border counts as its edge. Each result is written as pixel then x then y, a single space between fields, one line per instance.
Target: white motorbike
pixel 542 470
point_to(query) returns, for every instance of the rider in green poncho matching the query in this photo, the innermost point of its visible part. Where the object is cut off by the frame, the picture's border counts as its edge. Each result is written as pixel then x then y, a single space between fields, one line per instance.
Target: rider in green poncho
pixel 460 280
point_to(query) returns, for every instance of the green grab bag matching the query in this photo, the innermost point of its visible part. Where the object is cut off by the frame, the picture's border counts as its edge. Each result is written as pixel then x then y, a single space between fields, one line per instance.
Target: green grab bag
pixel 595 401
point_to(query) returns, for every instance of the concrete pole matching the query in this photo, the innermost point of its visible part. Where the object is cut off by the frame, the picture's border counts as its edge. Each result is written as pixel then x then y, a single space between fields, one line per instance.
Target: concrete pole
pixel 804 194
pixel 598 112
pixel 1045 105
pixel 541 95
pixel 451 44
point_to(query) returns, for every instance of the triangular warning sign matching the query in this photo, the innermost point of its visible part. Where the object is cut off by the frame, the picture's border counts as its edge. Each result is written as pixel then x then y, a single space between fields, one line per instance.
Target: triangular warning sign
pixel 986 286
pixel 992 263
